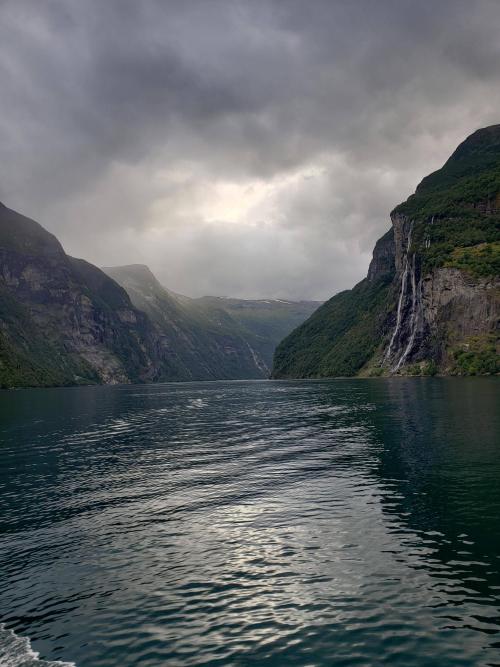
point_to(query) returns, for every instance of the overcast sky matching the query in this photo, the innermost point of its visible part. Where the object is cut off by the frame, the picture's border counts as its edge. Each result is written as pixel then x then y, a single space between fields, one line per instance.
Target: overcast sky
pixel 240 148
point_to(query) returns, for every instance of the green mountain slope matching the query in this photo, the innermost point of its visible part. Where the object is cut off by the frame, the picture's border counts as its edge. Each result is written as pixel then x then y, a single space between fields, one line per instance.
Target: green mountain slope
pixel 430 302
pixel 272 319
pixel 202 343
pixel 212 337
pixel 339 338
pixel 458 207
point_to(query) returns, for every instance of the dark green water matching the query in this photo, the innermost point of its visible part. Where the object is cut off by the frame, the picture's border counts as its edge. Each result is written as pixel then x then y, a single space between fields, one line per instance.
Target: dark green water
pixel 252 523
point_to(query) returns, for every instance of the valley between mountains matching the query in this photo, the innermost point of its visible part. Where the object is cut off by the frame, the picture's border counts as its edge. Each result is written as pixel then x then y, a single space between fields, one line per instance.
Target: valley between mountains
pixel 429 305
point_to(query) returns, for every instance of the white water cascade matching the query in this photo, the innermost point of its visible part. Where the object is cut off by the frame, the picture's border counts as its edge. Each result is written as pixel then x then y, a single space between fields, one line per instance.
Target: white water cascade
pixel 402 294
pixel 416 301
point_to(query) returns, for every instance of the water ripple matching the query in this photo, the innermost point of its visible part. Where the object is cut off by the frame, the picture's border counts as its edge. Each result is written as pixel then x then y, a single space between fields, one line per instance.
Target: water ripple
pixel 251 523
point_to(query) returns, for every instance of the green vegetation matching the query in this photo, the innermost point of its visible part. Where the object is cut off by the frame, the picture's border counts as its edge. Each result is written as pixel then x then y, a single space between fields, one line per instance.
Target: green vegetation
pixel 446 235
pixel 479 260
pixel 28 358
pixel 375 371
pixel 469 177
pixel 339 338
pixel 423 369
pixel 459 205
pixel 477 356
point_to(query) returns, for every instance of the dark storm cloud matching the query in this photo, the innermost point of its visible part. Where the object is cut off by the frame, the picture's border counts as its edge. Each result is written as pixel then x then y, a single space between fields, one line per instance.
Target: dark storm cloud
pixel 251 148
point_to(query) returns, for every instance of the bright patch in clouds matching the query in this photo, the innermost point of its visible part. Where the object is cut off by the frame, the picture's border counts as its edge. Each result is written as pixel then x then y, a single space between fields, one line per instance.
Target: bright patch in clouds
pixel 240 148
pixel 191 197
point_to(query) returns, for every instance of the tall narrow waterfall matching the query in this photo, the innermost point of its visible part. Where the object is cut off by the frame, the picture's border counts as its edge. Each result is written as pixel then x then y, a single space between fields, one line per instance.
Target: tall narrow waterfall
pixel 416 300
pixel 402 294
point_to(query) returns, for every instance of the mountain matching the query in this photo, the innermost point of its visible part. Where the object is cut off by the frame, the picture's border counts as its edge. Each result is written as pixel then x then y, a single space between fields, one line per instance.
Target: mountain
pixel 272 319
pixel 202 343
pixel 431 300
pixel 62 320
pixel 212 337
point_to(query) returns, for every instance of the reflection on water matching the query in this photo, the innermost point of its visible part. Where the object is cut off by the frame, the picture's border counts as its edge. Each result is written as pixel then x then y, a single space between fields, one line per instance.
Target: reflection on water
pixel 253 523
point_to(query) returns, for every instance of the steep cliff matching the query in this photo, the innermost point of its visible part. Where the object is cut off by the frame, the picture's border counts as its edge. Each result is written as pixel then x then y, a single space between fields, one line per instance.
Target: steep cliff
pixel 430 302
pixel 62 320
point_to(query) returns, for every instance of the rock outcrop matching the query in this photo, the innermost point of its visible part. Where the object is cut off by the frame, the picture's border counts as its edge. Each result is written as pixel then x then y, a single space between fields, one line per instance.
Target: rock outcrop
pixel 383 261
pixel 440 311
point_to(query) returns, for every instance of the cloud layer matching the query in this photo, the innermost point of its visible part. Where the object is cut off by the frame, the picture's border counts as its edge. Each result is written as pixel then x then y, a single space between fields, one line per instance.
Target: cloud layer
pixel 237 147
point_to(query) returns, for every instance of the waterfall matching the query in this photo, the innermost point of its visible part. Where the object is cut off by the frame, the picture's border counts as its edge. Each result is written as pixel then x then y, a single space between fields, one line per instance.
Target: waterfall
pixel 402 294
pixel 408 282
pixel 427 240
pixel 415 309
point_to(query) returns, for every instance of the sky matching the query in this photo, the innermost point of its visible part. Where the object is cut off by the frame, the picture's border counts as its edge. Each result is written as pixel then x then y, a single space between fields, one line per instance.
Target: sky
pixel 237 147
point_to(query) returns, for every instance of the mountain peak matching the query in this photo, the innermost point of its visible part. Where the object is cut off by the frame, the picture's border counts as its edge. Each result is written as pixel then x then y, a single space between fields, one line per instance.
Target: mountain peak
pixel 20 233
pixel 470 175
pixel 478 146
pixel 482 136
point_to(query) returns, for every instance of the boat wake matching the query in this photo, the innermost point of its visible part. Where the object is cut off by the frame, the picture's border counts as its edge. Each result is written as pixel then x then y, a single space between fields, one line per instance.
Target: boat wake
pixel 16 651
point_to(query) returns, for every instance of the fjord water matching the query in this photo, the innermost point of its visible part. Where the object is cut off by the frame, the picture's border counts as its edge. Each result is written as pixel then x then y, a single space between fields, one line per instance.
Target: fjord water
pixel 252 523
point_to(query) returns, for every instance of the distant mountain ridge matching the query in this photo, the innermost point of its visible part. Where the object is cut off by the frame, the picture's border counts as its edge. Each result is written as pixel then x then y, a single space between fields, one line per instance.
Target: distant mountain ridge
pixel 431 300
pixel 269 318
pixel 209 337
pixel 63 321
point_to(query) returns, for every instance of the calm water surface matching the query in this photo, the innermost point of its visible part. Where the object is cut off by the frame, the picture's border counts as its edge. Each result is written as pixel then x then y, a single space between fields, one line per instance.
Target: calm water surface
pixel 252 523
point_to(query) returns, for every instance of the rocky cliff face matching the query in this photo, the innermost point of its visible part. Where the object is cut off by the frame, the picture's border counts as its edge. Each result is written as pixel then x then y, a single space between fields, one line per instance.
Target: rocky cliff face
pixel 434 303
pixel 62 320
pixel 383 261
pixel 439 311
